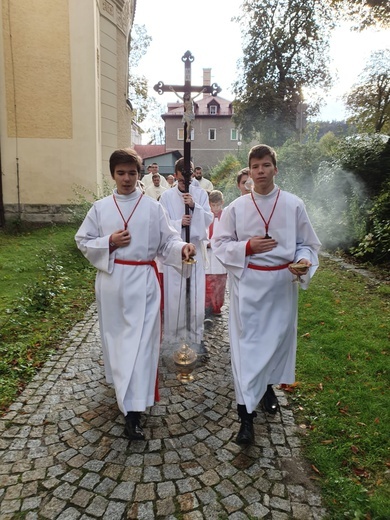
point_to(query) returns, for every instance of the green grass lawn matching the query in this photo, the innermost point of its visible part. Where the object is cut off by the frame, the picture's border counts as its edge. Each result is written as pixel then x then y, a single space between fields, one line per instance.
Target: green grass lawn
pixel 46 285
pixel 341 395
pixel 340 399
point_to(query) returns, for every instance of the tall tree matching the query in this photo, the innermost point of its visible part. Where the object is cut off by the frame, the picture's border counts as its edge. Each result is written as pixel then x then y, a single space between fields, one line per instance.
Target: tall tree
pixel 285 51
pixel 138 84
pixel 147 109
pixel 366 13
pixel 369 100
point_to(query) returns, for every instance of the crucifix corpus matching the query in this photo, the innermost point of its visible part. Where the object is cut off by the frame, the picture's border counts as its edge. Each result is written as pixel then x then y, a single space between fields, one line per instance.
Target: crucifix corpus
pixel 184 355
pixel 189 114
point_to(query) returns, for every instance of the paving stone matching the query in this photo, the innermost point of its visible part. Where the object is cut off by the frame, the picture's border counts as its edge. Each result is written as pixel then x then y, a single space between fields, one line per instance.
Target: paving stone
pixel 232 503
pixel 97 507
pixel 81 498
pixel 114 511
pixel 166 489
pixel 53 508
pixel 144 492
pixel 165 507
pixel 187 501
pixel 69 514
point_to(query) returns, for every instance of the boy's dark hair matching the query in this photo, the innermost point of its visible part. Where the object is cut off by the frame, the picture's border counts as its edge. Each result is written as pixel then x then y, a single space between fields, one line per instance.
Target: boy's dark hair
pixel 215 196
pixel 241 173
pixel 125 156
pixel 261 150
pixel 179 165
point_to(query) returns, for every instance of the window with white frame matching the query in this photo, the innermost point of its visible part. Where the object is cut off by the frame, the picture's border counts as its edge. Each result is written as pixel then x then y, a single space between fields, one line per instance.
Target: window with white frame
pixel 180 134
pixel 233 134
pixel 212 134
pixel 213 109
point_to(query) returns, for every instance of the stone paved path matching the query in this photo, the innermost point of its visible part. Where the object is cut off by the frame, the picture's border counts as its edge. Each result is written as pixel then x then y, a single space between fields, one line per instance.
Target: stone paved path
pixel 63 454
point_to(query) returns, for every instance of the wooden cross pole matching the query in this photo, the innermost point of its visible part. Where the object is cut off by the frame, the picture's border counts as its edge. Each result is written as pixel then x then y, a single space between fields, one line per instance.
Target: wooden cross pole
pixel 188 116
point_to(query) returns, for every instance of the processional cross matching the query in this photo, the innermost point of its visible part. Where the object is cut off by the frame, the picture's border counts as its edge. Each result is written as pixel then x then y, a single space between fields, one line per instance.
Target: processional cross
pixel 188 117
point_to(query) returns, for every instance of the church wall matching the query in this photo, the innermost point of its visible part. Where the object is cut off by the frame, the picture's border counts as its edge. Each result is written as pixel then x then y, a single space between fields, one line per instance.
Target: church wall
pixel 59 103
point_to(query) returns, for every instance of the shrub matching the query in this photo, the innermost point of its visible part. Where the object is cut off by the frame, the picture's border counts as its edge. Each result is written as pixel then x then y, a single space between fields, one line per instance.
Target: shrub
pixel 375 244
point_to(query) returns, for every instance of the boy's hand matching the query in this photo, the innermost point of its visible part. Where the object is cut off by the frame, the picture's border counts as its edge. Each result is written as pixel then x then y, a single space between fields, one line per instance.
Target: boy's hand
pixel 186 220
pixel 121 238
pixel 187 197
pixel 262 245
pixel 304 263
pixel 188 251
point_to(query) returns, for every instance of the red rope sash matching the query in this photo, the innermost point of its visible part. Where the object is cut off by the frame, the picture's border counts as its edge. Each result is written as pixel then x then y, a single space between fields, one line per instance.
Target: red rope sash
pixel 270 268
pixel 138 262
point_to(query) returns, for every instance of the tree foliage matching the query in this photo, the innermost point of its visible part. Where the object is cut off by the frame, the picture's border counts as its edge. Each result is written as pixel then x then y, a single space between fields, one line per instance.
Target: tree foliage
pixel 366 13
pixel 285 50
pixel 369 99
pixel 138 85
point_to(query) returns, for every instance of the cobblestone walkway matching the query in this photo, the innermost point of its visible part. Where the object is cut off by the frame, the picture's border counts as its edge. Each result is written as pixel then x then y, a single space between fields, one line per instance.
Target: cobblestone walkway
pixel 63 454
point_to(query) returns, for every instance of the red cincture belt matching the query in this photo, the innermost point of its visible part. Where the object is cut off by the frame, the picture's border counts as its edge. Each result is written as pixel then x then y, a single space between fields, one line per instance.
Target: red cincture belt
pixel 270 268
pixel 137 262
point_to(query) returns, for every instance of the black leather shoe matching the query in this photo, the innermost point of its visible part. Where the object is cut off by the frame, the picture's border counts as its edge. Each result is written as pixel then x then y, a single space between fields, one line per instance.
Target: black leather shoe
pixel 270 401
pixel 133 429
pixel 246 434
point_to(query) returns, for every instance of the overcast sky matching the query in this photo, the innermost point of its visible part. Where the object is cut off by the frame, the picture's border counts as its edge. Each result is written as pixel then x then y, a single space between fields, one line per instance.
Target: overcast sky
pixel 215 42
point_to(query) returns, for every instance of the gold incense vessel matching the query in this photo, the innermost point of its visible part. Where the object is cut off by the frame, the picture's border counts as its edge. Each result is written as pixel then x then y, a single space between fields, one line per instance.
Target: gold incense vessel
pixel 185 359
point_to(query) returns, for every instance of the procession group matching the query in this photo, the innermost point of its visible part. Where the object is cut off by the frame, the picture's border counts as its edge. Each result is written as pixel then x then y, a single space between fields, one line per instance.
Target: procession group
pixel 262 245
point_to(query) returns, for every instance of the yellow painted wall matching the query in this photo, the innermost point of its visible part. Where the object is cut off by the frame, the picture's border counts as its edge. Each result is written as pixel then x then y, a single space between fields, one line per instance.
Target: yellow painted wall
pixel 37 69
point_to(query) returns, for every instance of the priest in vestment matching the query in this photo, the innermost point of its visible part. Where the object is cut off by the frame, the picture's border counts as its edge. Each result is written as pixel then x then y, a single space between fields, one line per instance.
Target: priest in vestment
pixel 260 234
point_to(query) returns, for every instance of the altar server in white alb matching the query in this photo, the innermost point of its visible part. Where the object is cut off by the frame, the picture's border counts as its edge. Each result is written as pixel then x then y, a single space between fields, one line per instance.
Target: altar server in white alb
pixel 199 220
pixel 121 236
pixel 260 234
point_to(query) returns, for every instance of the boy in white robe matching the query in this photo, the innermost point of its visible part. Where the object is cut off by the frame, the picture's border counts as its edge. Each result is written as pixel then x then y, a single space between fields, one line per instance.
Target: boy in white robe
pixel 121 236
pixel 216 274
pixel 199 219
pixel 259 236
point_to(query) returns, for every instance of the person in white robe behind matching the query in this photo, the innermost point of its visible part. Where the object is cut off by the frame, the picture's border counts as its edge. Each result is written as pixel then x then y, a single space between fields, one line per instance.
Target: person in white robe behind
pixel 258 238
pixel 176 330
pixel 121 236
pixel 148 178
pixel 155 190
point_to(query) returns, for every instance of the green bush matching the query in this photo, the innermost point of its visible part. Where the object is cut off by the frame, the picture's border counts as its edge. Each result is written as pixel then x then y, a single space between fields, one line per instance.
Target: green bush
pixel 224 175
pixel 367 156
pixel 84 199
pixel 375 244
